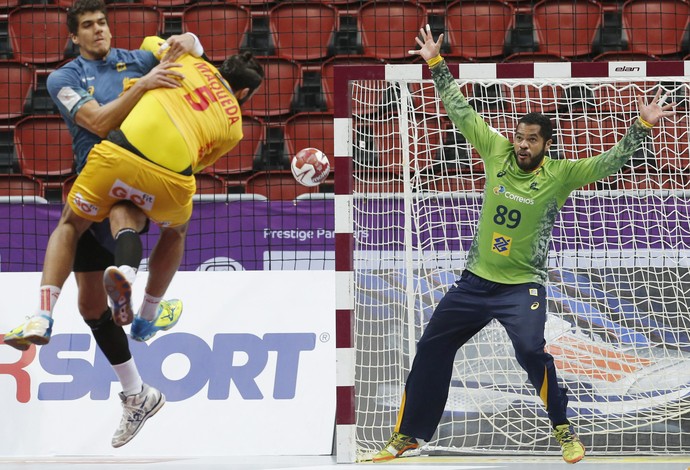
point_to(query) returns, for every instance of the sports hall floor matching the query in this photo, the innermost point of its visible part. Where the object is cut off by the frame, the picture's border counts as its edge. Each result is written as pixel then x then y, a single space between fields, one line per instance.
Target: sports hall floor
pixel 328 463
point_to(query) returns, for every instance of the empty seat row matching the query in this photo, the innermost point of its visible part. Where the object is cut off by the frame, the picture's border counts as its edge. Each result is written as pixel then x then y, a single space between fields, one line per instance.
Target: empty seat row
pixel 310 31
pixel 42 144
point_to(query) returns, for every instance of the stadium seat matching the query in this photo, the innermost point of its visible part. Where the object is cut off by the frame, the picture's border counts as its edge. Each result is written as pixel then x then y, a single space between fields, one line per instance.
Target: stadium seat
pixel 274 98
pixel 8 4
pixel 672 151
pixel 207 183
pixel 167 3
pixel 44 146
pixel 241 158
pixel 619 100
pixel 310 130
pixel 220 27
pixel 584 135
pixel 378 183
pixel 327 74
pixel 20 185
pixel 533 57
pixel 15 85
pixel 477 30
pixel 567 27
pixel 131 23
pixel 387 27
pixel 650 178
pixel 277 185
pixel 525 98
pixel 67 186
pixel 627 56
pixel 452 183
pixel 38 33
pixel 656 27
pixel 302 31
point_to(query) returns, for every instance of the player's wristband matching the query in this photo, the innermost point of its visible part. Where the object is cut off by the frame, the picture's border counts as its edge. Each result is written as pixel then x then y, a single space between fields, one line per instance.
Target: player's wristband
pixel 434 61
pixel 645 123
pixel 198 49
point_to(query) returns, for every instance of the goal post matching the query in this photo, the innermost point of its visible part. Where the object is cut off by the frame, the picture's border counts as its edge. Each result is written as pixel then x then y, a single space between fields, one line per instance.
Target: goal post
pixel 408 192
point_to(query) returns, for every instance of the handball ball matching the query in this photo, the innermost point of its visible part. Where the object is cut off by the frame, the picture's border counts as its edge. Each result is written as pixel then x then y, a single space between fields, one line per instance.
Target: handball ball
pixel 310 167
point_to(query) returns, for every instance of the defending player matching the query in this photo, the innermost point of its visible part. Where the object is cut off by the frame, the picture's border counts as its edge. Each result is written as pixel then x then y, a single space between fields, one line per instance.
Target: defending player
pixel 506 270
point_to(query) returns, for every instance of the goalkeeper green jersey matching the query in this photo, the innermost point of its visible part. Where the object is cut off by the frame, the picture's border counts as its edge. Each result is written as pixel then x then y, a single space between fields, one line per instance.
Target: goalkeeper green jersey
pixel 519 209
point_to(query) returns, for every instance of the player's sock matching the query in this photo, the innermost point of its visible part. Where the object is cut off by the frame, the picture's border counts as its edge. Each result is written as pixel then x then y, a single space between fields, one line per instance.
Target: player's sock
pixel 129 377
pixel 48 297
pixel 149 307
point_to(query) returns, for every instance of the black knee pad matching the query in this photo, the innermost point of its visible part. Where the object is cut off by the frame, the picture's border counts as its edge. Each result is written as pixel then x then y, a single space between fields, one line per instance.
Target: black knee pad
pixel 128 248
pixel 111 338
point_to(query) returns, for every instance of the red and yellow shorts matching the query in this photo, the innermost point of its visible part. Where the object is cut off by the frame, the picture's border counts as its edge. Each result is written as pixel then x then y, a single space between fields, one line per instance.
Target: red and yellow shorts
pixel 113 174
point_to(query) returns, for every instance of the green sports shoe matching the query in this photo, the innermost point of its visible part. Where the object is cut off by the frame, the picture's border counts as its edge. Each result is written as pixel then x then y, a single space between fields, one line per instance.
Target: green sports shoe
pixel 35 330
pixel 572 448
pixel 396 445
pixel 167 316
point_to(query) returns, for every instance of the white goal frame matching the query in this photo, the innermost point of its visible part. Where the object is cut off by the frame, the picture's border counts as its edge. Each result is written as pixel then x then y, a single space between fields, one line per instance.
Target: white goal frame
pixel 346 415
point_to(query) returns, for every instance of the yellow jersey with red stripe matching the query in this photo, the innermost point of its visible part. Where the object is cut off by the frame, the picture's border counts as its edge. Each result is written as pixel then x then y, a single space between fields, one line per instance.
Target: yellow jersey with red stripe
pixel 189 127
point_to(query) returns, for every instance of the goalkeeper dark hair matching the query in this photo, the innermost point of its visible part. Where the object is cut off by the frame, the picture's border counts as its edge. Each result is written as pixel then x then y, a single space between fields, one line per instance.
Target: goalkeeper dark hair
pixel 80 7
pixel 242 71
pixel 546 128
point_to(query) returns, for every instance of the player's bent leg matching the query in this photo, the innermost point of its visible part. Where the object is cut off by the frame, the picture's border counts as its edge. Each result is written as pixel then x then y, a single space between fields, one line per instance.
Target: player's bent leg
pixel 167 316
pixel 571 447
pixel 136 409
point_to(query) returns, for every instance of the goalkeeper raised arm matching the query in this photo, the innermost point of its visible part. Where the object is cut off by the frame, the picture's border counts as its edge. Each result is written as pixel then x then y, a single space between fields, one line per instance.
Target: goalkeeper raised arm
pixel 506 270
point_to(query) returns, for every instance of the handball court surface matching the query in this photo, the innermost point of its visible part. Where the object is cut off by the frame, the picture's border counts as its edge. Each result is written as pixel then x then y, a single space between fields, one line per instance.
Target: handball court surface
pixel 329 463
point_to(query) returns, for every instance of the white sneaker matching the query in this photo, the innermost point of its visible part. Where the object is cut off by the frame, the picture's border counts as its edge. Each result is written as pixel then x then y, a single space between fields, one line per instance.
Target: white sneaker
pixel 136 409
pixel 119 290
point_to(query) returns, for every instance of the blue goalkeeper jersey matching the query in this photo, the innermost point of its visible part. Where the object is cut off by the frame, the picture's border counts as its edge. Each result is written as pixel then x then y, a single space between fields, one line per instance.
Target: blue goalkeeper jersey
pixel 520 208
pixel 83 80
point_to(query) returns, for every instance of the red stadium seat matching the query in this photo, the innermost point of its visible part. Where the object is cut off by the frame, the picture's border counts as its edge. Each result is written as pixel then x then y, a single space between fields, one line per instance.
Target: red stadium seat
pixel 302 31
pixel 15 84
pixel 567 27
pixel 275 96
pixel 585 136
pixel 44 146
pixel 20 185
pixel 655 27
pixel 38 33
pixel 673 150
pixel 533 57
pixel 167 3
pixel 207 183
pixel 277 185
pixel 310 130
pixel 627 56
pixel 241 158
pixel 131 23
pixel 478 30
pixel 220 27
pixel 452 183
pixel 387 27
pixel 327 74
pixel 525 98
pixel 8 4
pixel 650 178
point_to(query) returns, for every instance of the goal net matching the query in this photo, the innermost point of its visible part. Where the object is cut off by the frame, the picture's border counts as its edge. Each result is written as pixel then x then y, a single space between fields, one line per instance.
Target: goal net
pixel 619 277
